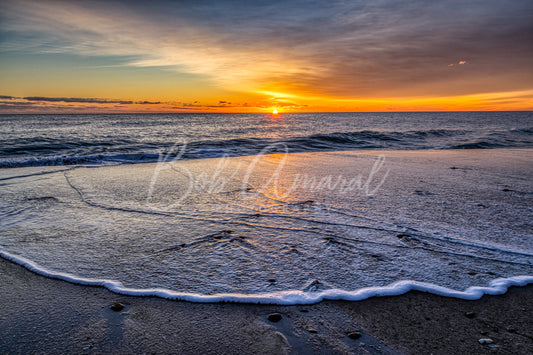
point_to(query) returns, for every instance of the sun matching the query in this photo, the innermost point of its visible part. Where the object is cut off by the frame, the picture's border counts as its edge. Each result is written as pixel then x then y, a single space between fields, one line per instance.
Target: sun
pixel 274 112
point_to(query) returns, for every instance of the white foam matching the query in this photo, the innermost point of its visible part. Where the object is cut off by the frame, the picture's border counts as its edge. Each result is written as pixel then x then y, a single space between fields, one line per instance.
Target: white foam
pixel 496 287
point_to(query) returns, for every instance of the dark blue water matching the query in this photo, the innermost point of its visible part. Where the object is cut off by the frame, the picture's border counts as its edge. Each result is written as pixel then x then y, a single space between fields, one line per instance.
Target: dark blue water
pixel 39 140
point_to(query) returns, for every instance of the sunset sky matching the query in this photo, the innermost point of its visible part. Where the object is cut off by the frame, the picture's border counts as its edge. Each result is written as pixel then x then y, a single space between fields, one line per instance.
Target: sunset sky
pixel 254 56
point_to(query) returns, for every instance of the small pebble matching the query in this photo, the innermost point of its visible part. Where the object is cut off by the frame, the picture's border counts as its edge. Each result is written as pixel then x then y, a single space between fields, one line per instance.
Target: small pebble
pixel 486 341
pixel 354 335
pixel 470 314
pixel 312 330
pixel 117 307
pixel 274 317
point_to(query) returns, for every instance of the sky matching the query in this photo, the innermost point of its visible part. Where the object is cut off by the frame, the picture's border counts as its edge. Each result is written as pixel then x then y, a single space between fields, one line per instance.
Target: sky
pixel 256 56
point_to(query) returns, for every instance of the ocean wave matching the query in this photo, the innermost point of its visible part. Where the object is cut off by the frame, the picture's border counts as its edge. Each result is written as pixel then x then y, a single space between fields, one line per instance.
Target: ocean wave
pixel 45 151
pixel 291 297
pixel 96 159
pixel 477 145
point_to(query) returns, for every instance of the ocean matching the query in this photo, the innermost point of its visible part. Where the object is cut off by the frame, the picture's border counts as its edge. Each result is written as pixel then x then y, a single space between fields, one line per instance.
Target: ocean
pixel 216 207
pixel 43 140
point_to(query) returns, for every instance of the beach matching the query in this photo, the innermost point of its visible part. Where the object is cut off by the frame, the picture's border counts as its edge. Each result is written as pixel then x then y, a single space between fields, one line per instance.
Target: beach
pixel 266 177
pixel 42 314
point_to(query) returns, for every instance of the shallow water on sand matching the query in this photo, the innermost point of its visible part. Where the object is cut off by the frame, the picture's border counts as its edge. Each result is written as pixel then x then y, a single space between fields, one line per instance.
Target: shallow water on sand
pixel 278 228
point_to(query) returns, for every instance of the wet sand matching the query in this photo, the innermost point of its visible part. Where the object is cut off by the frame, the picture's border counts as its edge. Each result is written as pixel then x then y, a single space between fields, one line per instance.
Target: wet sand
pixel 41 315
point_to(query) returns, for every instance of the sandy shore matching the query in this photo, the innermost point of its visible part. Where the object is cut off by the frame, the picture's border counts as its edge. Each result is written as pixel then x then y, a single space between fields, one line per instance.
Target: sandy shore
pixel 486 191
pixel 40 315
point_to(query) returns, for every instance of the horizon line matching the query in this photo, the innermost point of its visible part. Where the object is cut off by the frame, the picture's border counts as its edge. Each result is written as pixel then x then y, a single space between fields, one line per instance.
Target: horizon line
pixel 250 112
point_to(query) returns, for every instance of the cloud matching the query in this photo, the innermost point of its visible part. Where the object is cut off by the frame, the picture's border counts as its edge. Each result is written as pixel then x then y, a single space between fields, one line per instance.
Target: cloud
pixel 79 100
pixel 334 49
pixel 15 103
pixel 461 62
pixel 32 103
pixel 147 102
pixel 35 103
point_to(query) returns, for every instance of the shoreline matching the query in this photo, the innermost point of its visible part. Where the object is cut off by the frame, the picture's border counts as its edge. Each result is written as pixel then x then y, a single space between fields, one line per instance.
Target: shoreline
pixel 496 287
pixel 42 314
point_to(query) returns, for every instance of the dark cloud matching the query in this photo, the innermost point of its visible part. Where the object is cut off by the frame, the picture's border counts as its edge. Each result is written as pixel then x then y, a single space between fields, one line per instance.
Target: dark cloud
pixel 189 105
pixel 402 48
pixel 42 102
pixel 147 102
pixel 197 105
pixel 58 103
pixel 16 103
pixel 25 106
pixel 88 100
pixel 77 100
pixel 18 107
